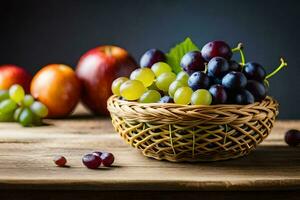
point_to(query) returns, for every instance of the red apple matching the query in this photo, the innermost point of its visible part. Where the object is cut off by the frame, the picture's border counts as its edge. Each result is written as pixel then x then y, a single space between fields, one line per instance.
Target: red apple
pixel 12 74
pixel 56 86
pixel 97 69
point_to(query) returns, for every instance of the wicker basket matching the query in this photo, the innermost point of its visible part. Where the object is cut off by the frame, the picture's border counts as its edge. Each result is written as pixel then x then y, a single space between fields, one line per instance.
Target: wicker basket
pixel 193 133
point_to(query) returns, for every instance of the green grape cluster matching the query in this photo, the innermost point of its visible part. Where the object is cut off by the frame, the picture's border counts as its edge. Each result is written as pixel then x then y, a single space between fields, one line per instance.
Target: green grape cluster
pixel 159 84
pixel 17 106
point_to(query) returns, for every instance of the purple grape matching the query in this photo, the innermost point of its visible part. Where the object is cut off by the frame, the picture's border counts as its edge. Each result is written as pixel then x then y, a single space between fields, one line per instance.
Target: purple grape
pixel 152 56
pixel 254 71
pixel 257 89
pixel 198 80
pixel 216 49
pixel 166 99
pixel 217 67
pixel 243 97
pixel 234 81
pixel 91 161
pixel 192 62
pixel 218 93
pixel 234 66
pixel 292 137
pixel 107 159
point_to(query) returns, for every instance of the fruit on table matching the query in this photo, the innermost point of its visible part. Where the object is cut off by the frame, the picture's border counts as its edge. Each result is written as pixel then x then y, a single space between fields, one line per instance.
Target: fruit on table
pixel 7 117
pixel 198 80
pixel 39 109
pixel 160 68
pixel 12 74
pixel 201 97
pixel 16 93
pixel 217 67
pixel 4 95
pixel 192 62
pixel 107 159
pixel 7 106
pixel 58 88
pixel 150 96
pixel 27 101
pixel 132 89
pixel 97 69
pixel 60 161
pixel 218 93
pixel 145 75
pixel 151 57
pixel 26 117
pixel 216 49
pixel 91 161
pixel 234 81
pixel 292 137
pixel 164 81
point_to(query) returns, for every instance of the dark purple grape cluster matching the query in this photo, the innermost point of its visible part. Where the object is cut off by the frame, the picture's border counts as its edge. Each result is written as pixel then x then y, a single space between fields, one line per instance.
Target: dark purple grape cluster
pixel 228 81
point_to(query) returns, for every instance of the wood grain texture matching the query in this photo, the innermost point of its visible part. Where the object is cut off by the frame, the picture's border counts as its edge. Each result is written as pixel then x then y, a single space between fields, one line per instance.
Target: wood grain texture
pixel 26 161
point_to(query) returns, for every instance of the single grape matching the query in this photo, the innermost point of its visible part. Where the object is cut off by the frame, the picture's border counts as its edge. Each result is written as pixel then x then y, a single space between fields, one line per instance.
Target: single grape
pixel 26 117
pixel 16 93
pixel 7 106
pixel 183 95
pixel 37 121
pixel 166 99
pixel 132 89
pixel 28 100
pixel 39 109
pixel 145 75
pixel 164 80
pixel 183 77
pixel 254 71
pixel 17 113
pixel 234 66
pixel 198 80
pixel 7 117
pixel 216 49
pixel 243 97
pixel 107 159
pixel 218 93
pixel 292 137
pixel 257 89
pixel 91 161
pixel 174 86
pixel 160 68
pixel 150 96
pixel 151 57
pixel 217 67
pixel 192 62
pixel 60 161
pixel 201 97
pixel 116 84
pixel 234 81
pixel 4 95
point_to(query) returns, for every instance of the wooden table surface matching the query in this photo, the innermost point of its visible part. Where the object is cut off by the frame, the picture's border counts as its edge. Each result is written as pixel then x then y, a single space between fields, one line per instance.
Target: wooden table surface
pixel 26 165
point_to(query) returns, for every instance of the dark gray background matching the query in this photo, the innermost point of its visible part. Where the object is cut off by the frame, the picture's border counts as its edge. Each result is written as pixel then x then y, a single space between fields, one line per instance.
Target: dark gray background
pixel 35 33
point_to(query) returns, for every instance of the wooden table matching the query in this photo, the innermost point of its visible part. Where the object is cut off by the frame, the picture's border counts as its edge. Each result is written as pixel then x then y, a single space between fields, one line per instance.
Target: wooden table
pixel 28 172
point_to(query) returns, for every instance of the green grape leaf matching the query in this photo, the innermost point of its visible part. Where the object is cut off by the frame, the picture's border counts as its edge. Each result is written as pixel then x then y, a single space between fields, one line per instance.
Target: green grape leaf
pixel 176 53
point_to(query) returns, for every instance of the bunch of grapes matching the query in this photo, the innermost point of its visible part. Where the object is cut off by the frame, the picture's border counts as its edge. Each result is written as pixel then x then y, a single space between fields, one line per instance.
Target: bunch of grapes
pixel 209 76
pixel 17 106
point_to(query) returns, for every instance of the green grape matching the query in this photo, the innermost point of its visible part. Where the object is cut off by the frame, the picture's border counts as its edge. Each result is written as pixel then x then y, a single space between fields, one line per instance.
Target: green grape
pixel 183 77
pixel 132 89
pixel 7 106
pixel 160 67
pixel 150 96
pixel 4 95
pixel 201 97
pixel 145 75
pixel 183 95
pixel 174 86
pixel 37 121
pixel 16 93
pixel 17 113
pixel 28 100
pixel 115 86
pixel 26 117
pixel 164 81
pixel 39 109
pixel 7 117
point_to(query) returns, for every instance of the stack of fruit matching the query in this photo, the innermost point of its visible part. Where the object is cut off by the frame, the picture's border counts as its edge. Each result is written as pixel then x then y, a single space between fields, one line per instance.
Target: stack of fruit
pixel 205 77
pixel 16 106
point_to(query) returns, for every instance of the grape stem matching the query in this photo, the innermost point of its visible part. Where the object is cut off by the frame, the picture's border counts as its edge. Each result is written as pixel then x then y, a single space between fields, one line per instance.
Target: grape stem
pixel 282 65
pixel 240 49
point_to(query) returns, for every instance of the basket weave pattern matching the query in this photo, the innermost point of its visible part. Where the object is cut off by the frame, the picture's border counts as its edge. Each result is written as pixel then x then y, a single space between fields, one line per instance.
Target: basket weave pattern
pixel 193 133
